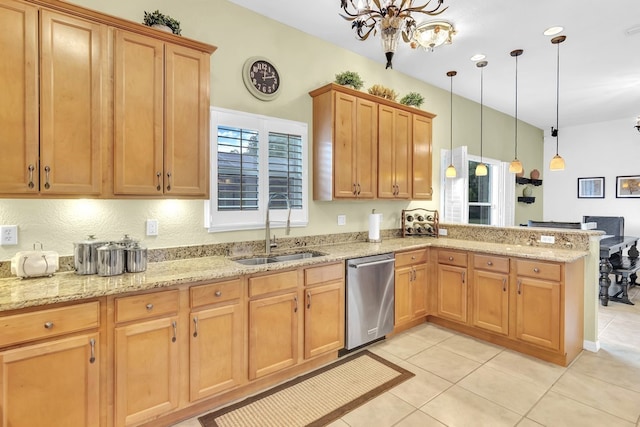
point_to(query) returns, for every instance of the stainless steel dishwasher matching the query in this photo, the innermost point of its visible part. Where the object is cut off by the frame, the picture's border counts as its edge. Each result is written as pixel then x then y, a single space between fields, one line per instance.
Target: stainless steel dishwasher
pixel 370 299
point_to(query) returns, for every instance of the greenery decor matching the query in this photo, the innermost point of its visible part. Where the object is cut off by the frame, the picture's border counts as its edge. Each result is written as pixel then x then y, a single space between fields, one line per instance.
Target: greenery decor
pixel 157 18
pixel 413 99
pixel 349 78
pixel 383 92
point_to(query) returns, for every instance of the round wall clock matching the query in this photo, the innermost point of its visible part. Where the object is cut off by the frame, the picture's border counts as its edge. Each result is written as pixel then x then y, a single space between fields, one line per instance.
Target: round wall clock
pixel 261 78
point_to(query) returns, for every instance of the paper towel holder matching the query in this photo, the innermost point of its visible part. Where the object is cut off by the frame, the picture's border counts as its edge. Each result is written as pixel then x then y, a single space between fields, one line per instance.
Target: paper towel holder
pixel 375 233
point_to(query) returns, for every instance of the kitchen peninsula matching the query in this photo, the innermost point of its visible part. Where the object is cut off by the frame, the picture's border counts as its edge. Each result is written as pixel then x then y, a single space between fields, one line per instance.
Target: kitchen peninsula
pixel 113 321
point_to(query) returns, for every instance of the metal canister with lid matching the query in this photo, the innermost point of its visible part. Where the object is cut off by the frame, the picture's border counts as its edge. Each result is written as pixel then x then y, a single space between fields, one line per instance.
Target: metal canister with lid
pixel 110 259
pixel 85 255
pixel 135 258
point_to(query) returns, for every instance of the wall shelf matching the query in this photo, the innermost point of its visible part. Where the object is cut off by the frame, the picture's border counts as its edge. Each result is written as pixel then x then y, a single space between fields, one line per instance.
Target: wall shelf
pixel 523 199
pixel 522 180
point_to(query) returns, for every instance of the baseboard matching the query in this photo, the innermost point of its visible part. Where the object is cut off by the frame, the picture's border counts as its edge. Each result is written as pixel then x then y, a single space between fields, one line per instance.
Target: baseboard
pixel 592 346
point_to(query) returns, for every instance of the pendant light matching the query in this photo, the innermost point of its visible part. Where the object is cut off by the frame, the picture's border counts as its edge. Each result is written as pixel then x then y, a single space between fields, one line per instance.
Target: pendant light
pixel 557 163
pixel 451 170
pixel 481 169
pixel 516 165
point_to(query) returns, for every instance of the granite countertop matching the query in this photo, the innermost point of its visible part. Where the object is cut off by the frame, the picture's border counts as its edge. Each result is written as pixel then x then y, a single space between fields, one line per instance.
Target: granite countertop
pixel 18 293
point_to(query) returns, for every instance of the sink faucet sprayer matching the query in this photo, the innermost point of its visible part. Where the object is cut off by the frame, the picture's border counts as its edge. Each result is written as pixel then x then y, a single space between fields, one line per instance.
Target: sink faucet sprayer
pixel 268 243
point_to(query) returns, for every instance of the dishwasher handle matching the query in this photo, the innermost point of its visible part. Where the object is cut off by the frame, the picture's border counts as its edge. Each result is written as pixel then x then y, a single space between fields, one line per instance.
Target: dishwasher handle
pixel 369 264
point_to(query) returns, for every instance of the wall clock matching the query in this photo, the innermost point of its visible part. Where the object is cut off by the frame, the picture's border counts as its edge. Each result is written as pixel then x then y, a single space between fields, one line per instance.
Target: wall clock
pixel 261 78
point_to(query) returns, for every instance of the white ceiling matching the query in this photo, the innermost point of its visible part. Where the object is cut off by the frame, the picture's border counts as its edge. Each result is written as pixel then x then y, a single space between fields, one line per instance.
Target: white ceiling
pixel 599 61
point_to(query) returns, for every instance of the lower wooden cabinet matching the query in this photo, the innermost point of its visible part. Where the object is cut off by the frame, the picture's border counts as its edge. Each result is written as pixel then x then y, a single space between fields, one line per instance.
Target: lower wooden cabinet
pixel 411 284
pixel 452 285
pixel 52 383
pixel 490 293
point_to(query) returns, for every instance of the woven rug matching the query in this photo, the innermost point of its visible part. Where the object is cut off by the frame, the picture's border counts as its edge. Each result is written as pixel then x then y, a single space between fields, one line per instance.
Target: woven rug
pixel 314 399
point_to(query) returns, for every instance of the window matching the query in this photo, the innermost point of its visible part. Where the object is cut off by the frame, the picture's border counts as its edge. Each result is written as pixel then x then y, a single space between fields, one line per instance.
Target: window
pixel 470 199
pixel 256 160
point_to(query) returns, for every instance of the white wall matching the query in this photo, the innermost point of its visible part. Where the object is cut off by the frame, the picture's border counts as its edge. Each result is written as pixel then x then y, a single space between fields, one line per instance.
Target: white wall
pixel 606 149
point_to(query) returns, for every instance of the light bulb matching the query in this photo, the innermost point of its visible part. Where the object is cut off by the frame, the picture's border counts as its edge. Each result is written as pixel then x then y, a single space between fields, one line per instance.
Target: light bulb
pixel 481 169
pixel 451 172
pixel 515 166
pixel 557 163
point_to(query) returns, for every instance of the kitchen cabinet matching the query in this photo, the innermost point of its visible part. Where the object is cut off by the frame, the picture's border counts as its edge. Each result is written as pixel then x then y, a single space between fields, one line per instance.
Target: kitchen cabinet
pixel 324 313
pixel 422 184
pixel 364 146
pixel 452 294
pixel 54 377
pixel 411 287
pixel 161 118
pixel 394 153
pixel 345 146
pixel 52 138
pixel 146 356
pixel 490 293
pixel 274 313
pixel 216 344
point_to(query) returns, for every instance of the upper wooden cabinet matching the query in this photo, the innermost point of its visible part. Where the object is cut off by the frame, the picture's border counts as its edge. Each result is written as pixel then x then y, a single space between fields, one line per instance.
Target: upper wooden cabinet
pixel 51 134
pixel 365 146
pixel 58 120
pixel 161 118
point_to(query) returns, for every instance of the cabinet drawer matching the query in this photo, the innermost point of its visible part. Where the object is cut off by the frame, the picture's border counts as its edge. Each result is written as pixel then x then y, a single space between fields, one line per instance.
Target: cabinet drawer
pixel 452 258
pixel 49 323
pixel 214 293
pixel 538 269
pixel 323 273
pixel 272 283
pixel 491 263
pixel 146 306
pixel 412 257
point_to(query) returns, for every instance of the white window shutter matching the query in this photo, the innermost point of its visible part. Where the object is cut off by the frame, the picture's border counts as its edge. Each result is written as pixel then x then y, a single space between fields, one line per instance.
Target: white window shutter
pixel 454 191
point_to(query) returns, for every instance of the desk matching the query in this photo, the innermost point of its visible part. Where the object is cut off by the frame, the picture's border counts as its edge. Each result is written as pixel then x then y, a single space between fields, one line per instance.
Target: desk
pixel 612 262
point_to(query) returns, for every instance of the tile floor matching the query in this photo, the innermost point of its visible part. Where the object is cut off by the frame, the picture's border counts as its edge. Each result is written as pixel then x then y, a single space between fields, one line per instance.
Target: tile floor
pixel 462 382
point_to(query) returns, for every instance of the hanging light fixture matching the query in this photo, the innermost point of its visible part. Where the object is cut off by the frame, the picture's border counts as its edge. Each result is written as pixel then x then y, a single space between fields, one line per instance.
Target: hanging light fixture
pixel 516 165
pixel 432 34
pixel 557 163
pixel 387 17
pixel 481 168
pixel 451 170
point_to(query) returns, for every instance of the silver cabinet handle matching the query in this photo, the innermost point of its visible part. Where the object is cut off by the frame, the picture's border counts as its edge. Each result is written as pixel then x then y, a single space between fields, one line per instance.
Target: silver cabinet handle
pixel 504 285
pixel 159 186
pixel 450 258
pixel 92 344
pixel 149 307
pixel 48 325
pixel 519 286
pixel 218 293
pixel 413 257
pixel 308 299
pixel 295 307
pixel 489 263
pixel 31 169
pixel 536 270
pixel 168 181
pixel 47 169
pixel 195 327
pixel 175 331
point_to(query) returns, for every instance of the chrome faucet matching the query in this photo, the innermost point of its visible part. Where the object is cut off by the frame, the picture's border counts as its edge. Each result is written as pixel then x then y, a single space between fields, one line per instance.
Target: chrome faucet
pixel 268 243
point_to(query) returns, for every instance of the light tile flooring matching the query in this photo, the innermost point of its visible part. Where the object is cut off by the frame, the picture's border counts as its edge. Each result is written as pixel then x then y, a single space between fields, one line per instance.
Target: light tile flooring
pixel 461 382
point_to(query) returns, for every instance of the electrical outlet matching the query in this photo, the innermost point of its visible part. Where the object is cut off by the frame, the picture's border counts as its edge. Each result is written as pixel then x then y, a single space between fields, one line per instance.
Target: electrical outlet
pixel 152 227
pixel 443 231
pixel 342 219
pixel 547 239
pixel 8 235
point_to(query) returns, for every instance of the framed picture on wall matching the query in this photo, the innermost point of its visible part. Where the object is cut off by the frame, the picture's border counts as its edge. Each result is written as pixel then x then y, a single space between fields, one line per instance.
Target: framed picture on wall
pixel 628 186
pixel 591 188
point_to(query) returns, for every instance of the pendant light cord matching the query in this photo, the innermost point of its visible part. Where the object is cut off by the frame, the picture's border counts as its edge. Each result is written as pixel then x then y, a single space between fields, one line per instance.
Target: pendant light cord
pixel 481 107
pixel 557 98
pixel 451 115
pixel 516 121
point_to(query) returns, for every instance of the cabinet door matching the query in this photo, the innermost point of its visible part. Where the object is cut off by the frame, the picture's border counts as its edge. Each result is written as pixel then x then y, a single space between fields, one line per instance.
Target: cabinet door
pixel 403 309
pixel 146 370
pixel 216 350
pixel 422 187
pixel 186 136
pixel 19 101
pixel 273 334
pixel 490 306
pixel 419 291
pixel 538 312
pixel 323 319
pixel 394 153
pixel 344 161
pixel 366 165
pixel 54 383
pixel 452 292
pixel 138 115
pixel 72 71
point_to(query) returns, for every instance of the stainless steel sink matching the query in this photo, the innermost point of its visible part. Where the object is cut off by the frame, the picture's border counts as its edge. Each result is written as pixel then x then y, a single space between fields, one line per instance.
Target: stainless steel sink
pixel 278 258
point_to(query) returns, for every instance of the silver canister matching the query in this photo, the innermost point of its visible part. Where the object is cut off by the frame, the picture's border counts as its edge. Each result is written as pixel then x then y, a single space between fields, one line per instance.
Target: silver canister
pixel 135 258
pixel 85 255
pixel 110 259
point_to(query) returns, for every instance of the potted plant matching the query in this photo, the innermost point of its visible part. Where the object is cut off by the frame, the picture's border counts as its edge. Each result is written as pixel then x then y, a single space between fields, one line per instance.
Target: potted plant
pixel 413 99
pixel 349 78
pixel 159 20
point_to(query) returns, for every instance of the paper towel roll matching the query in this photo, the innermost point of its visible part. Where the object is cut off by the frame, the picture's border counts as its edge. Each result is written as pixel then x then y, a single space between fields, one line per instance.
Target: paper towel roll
pixel 375 222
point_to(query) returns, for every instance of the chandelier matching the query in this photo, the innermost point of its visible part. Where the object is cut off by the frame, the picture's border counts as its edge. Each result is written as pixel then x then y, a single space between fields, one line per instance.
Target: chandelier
pixel 390 17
